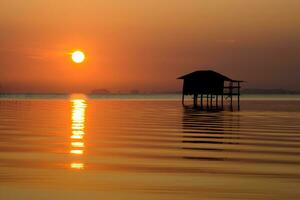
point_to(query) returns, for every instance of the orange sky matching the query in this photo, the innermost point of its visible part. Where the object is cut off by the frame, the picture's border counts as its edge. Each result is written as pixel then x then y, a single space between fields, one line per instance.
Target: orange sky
pixel 147 44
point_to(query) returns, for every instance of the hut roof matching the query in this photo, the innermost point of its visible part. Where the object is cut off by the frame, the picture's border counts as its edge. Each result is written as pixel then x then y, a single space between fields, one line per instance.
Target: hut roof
pixel 206 75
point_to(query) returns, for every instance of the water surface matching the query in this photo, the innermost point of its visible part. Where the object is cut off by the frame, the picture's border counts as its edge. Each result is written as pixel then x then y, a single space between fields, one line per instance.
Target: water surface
pixel 91 148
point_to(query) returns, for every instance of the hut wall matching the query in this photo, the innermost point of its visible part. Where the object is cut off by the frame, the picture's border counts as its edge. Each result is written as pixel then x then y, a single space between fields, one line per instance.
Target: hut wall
pixel 191 87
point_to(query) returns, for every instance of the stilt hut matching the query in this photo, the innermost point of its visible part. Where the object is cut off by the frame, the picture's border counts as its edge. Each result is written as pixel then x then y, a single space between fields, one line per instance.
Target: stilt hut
pixel 213 86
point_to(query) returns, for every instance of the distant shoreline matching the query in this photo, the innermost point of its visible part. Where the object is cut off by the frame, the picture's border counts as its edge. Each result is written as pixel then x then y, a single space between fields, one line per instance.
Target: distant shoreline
pixel 125 94
pixel 247 91
pixel 142 97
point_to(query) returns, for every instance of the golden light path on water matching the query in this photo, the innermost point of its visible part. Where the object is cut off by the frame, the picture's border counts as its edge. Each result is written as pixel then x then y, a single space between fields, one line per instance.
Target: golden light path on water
pixel 77 138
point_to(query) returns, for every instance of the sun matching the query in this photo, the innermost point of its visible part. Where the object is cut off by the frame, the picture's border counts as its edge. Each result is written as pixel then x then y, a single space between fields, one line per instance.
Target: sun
pixel 78 56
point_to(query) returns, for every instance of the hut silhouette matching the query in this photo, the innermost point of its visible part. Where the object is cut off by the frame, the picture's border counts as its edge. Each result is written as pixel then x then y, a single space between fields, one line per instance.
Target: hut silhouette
pixel 212 85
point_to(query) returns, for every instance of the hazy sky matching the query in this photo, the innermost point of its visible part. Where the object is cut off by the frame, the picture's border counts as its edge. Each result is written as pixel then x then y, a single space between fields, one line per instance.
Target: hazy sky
pixel 147 44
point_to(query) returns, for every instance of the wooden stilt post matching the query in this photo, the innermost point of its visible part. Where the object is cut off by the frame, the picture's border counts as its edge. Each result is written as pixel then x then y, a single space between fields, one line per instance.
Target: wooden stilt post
pixel 211 99
pixel 231 95
pixel 201 101
pixel 207 101
pixel 195 99
pixel 182 98
pixel 238 95
pixel 222 97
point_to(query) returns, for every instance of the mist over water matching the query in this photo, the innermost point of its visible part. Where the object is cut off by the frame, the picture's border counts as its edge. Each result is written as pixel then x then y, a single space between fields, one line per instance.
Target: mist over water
pixel 79 147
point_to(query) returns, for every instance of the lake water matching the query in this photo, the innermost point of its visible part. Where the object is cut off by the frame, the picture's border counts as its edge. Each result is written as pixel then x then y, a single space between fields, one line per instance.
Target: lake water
pixel 147 147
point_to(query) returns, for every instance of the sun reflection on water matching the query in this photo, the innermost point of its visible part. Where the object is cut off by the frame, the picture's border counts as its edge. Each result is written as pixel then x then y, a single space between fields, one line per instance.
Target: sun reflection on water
pixel 77 165
pixel 78 125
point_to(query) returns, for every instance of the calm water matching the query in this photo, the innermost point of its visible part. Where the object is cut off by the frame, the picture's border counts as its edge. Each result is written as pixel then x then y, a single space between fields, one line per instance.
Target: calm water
pixel 90 148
